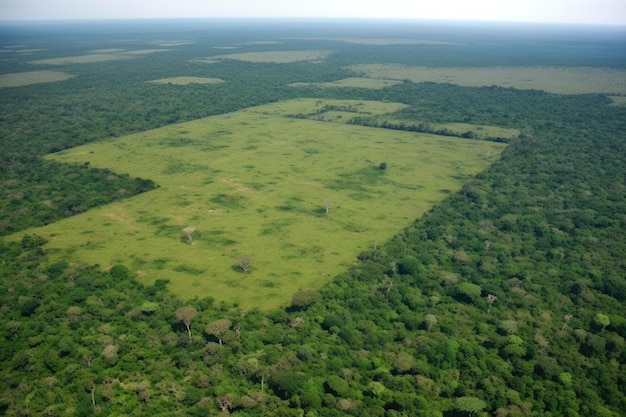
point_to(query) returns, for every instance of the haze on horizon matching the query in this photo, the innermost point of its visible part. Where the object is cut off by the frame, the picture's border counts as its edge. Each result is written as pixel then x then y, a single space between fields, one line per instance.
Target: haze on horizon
pixel 603 12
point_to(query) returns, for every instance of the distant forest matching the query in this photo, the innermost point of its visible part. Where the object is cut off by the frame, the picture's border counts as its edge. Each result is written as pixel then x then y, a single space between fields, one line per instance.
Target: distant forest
pixel 507 299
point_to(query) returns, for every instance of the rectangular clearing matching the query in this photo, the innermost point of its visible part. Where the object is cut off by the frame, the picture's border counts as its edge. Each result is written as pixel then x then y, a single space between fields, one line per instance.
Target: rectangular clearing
pixel 257 182
pixel 559 80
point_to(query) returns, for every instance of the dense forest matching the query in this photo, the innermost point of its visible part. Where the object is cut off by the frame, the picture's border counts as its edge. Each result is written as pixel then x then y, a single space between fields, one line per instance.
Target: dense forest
pixel 507 299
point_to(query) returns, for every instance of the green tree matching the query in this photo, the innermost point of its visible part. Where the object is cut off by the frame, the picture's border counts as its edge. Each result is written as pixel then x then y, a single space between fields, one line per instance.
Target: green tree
pixel 304 298
pixel 600 321
pixel 470 405
pixel 218 328
pixel 186 314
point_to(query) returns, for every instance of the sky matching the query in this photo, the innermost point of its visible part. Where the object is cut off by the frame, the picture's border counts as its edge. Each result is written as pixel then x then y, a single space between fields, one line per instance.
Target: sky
pixel 611 12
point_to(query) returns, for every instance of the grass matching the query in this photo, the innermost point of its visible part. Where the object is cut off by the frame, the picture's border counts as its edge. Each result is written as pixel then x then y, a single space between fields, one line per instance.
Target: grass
pixel 560 80
pixel 382 41
pixel 97 57
pixel 19 79
pixel 618 100
pixel 354 82
pixel 255 182
pixel 187 80
pixel 480 131
pixel 279 57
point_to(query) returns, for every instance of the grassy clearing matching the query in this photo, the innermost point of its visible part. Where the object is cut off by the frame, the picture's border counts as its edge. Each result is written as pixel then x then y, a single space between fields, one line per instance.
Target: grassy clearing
pixel 144 51
pixel 479 131
pixel 382 41
pixel 263 43
pixel 19 79
pixel 354 82
pixel 96 57
pixel 107 51
pixel 560 80
pixel 279 57
pixel 618 100
pixel 170 44
pixel 187 80
pixel 255 182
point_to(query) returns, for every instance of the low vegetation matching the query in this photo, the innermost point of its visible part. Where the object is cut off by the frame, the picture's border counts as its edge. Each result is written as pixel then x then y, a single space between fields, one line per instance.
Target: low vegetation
pixel 255 182
pixel 96 57
pixel 187 80
pixel 280 57
pixel 561 80
pixel 20 79
pixel 353 82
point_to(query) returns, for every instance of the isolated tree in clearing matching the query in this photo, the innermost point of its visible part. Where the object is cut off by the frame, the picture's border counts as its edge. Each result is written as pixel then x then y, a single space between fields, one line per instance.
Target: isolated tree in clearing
pixel 188 231
pixel 243 263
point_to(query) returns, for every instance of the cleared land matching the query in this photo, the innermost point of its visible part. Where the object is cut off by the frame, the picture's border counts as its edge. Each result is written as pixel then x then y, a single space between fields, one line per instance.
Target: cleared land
pixel 19 79
pixel 382 41
pixel 257 182
pixel 170 44
pixel 560 80
pixel 279 57
pixel 618 100
pixel 354 82
pixel 187 80
pixel 96 57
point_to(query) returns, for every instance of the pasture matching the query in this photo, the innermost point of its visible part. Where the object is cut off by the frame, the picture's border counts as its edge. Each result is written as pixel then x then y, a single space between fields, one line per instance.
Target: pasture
pixel 19 79
pixel 559 80
pixel 278 57
pixel 97 57
pixel 257 182
pixel 382 41
pixel 353 82
pixel 187 80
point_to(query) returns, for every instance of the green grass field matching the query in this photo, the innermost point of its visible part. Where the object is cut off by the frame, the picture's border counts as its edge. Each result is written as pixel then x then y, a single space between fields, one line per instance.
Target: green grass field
pixel 255 182
pixel 19 79
pixel 353 82
pixel 280 57
pixel 560 80
pixel 97 57
pixel 184 80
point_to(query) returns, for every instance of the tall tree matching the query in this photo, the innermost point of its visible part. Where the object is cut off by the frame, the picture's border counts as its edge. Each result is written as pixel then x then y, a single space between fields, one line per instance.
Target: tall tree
pixel 217 328
pixel 186 314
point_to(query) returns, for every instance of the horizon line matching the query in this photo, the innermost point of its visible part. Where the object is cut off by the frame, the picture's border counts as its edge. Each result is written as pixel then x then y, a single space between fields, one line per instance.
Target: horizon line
pixel 310 18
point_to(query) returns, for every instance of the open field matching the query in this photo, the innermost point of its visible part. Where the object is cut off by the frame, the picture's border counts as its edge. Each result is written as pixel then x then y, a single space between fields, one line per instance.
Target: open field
pixel 560 80
pixel 187 80
pixel 19 79
pixel 96 57
pixel 353 82
pixel 255 182
pixel 618 100
pixel 170 44
pixel 279 57
pixel 107 51
pixel 381 41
